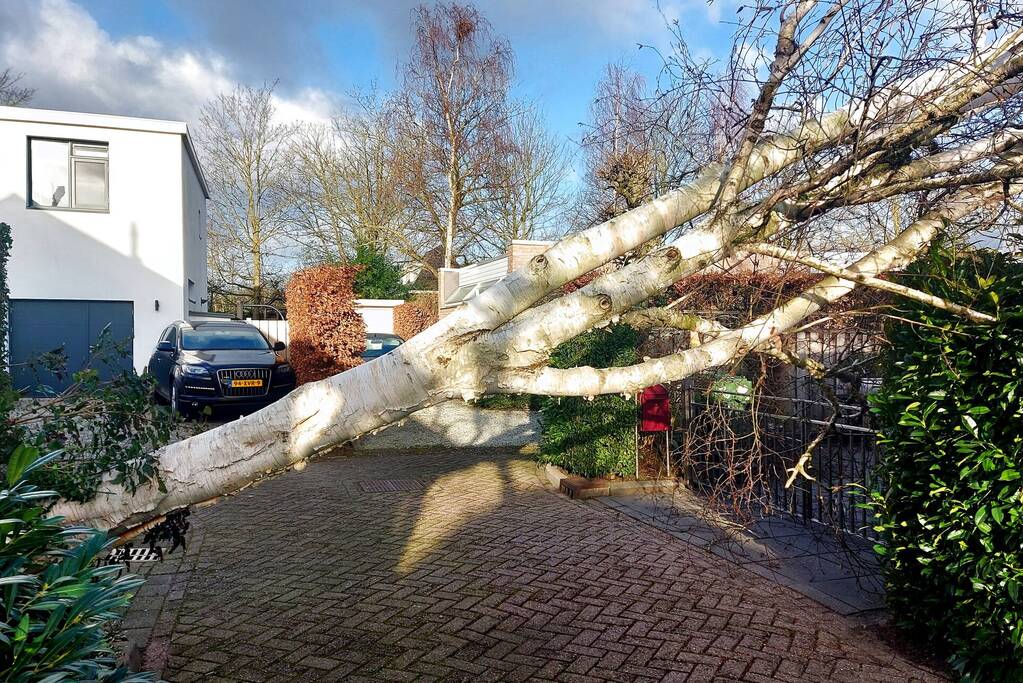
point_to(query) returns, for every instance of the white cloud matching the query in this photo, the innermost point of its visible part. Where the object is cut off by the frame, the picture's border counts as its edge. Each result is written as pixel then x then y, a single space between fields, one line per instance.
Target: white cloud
pixel 74 64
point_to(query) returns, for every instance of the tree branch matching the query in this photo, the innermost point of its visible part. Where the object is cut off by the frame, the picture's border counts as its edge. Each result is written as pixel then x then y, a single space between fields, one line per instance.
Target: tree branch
pixel 869 281
pixel 587 381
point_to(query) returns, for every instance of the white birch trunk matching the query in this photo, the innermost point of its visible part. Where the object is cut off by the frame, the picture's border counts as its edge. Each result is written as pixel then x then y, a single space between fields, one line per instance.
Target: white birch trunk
pixel 497 344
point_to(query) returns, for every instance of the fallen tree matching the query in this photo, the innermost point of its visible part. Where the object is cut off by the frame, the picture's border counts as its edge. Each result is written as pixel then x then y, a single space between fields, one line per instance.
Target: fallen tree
pixel 925 122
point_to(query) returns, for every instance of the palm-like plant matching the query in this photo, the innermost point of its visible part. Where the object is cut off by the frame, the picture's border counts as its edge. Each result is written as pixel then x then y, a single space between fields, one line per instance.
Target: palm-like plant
pixel 55 600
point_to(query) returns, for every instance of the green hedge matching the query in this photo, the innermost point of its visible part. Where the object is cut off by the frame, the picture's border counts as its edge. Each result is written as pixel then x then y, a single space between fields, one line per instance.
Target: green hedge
pixel 950 508
pixel 592 438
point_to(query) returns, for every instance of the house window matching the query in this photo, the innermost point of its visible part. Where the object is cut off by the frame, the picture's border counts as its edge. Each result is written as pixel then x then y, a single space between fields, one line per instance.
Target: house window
pixel 64 174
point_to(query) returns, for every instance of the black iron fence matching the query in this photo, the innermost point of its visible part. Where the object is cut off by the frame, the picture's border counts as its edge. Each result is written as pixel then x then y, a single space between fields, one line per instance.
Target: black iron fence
pixel 737 445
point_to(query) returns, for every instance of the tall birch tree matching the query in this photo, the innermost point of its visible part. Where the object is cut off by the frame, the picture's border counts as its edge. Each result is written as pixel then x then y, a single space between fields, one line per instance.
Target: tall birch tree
pixel 830 128
pixel 451 118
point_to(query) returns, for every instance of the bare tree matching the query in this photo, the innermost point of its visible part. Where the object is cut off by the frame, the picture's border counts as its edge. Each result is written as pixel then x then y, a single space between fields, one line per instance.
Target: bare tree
pixel 12 93
pixel 937 119
pixel 530 199
pixel 452 119
pixel 244 153
pixel 618 146
pixel 343 188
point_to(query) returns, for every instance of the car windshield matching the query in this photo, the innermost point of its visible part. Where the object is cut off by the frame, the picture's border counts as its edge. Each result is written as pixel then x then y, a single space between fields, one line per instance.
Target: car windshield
pixel 379 344
pixel 223 338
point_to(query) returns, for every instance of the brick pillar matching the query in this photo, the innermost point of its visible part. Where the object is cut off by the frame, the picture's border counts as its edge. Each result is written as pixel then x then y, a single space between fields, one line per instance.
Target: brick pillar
pixel 521 251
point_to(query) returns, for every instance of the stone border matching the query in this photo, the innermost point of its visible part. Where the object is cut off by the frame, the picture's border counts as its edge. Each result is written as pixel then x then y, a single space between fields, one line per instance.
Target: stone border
pixel 581 488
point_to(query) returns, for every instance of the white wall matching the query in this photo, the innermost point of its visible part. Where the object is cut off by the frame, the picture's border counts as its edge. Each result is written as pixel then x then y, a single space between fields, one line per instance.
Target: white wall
pixel 133 253
pixel 194 238
pixel 378 313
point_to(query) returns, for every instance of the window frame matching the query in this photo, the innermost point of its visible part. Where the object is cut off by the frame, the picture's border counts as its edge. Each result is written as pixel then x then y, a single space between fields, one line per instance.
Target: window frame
pixel 71 159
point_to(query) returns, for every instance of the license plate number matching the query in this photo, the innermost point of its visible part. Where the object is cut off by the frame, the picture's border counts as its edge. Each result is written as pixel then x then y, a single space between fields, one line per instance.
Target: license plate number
pixel 243 383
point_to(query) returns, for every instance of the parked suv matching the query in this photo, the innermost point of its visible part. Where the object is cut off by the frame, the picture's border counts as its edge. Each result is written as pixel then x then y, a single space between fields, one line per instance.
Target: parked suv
pixel 219 363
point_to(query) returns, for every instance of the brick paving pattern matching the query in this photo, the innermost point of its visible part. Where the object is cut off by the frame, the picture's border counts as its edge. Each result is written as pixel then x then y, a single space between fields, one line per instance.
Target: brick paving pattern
pixel 463 566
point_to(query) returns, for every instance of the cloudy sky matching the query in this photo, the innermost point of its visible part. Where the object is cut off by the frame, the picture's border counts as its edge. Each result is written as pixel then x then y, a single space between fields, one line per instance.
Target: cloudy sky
pixel 163 58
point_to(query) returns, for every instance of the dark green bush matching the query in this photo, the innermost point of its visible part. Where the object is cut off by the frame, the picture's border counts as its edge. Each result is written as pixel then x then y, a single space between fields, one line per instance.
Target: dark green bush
pixel 57 604
pixel 950 500
pixel 379 278
pixel 592 438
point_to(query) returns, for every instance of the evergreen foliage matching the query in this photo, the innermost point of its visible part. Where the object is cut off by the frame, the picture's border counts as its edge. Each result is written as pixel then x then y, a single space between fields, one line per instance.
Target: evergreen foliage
pixel 949 502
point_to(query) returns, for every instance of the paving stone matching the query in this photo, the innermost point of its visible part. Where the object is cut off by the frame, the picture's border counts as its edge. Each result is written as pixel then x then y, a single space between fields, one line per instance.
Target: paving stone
pixel 481 573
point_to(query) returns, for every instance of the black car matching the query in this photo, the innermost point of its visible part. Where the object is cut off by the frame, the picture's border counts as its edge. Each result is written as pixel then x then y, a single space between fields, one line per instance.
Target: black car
pixel 218 364
pixel 379 343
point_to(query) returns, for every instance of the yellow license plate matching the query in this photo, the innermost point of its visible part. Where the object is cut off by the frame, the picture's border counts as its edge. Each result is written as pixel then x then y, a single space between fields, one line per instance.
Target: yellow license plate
pixel 242 383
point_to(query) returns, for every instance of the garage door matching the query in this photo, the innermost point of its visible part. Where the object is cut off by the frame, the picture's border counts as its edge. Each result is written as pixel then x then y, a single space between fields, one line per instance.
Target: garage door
pixel 39 326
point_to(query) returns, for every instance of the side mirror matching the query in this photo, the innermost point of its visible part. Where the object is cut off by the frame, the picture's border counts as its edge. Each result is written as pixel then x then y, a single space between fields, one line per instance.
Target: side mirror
pixel 165 346
pixel 280 346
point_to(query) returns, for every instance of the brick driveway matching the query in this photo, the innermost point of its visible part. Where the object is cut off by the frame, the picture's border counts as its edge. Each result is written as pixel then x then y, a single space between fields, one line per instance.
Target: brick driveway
pixel 463 566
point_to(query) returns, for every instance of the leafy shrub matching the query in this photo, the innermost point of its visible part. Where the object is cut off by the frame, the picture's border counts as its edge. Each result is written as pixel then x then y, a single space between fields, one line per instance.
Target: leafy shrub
pixel 378 277
pixel 415 315
pixel 327 334
pixel 592 438
pixel 100 425
pixel 57 604
pixel 950 500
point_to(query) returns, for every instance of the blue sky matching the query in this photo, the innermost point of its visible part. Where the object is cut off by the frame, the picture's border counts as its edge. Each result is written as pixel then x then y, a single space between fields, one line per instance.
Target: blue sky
pixel 163 58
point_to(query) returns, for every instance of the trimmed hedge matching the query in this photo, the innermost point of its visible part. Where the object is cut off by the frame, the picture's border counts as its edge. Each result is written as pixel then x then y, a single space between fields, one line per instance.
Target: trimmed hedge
pixel 592 438
pixel 949 502
pixel 327 334
pixel 415 315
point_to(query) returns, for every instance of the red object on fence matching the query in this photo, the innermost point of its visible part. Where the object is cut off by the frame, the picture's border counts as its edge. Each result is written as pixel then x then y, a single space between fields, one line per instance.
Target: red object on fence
pixel 654 409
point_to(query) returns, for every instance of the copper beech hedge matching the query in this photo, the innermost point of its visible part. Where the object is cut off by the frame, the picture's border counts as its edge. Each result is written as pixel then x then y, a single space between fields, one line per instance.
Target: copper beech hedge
pixel 327 334
pixel 415 315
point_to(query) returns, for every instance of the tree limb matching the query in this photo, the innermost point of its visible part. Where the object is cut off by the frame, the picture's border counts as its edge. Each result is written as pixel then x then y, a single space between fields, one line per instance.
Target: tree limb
pixel 868 280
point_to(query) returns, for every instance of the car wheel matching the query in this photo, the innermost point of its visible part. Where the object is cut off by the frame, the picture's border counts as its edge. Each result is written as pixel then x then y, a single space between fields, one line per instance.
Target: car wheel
pixel 175 406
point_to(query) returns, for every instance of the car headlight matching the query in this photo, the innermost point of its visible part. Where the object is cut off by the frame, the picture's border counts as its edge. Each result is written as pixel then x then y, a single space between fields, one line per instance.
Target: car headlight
pixel 284 368
pixel 195 370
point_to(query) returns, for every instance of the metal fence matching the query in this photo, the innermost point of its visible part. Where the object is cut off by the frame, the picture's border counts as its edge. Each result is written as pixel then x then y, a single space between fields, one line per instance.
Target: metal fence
pixel 740 447
pixel 712 429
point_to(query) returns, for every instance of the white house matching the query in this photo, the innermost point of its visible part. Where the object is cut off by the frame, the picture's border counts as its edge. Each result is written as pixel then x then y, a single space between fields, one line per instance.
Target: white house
pixel 108 219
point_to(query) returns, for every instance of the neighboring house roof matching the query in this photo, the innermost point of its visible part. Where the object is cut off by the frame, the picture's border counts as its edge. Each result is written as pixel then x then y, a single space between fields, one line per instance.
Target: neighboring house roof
pixel 424 279
pixel 87 120
pixel 462 284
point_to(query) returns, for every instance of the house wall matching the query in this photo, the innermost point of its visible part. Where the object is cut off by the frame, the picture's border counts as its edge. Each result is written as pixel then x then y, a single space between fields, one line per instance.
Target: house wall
pixel 134 252
pixel 194 238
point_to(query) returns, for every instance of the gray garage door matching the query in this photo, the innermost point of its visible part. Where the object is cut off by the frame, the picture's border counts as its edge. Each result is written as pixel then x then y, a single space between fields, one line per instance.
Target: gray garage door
pixel 38 326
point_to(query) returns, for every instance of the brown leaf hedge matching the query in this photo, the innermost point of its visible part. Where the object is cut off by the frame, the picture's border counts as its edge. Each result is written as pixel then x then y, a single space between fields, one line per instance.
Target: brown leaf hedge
pixel 415 315
pixel 327 334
